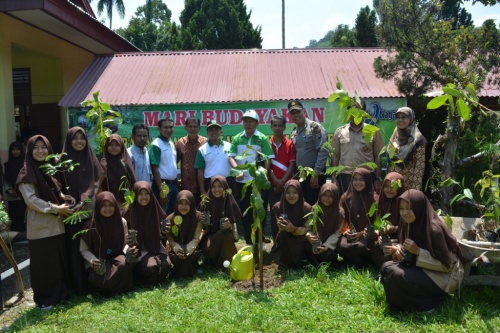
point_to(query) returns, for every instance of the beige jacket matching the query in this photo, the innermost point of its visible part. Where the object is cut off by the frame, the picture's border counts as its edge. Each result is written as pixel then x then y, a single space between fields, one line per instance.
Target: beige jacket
pixel 42 217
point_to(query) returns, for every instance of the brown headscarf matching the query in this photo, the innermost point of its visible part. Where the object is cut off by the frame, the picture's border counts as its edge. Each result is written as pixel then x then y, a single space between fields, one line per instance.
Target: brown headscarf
pixel 145 219
pixel 428 230
pixel 48 187
pixel 225 206
pixel 105 237
pixel 407 140
pixel 356 204
pixel 333 215
pixel 82 179
pixel 118 166
pixel 386 205
pixel 296 211
pixel 189 222
pixel 14 164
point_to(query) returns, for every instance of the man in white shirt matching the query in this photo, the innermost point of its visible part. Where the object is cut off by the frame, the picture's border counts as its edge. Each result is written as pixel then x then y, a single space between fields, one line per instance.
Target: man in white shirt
pixel 163 158
pixel 212 158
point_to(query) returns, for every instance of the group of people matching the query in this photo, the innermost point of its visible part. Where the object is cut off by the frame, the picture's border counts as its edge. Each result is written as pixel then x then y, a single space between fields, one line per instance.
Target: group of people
pixel 168 225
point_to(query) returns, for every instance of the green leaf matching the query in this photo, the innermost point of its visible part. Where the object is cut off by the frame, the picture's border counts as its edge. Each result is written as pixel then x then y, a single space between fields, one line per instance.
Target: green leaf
pixel 338 83
pixel 463 109
pixel 234 172
pixel 471 89
pixel 449 182
pixel 333 97
pixel 175 230
pixel 373 209
pixel 369 131
pixel 468 194
pixel 244 189
pixel 392 152
pixel 261 213
pixel 378 223
pixel 77 217
pixel 371 165
pixel 437 102
pixel 453 92
pixel 252 170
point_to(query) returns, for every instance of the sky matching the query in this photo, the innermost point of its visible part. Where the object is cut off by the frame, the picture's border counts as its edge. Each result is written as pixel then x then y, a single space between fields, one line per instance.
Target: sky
pixel 304 20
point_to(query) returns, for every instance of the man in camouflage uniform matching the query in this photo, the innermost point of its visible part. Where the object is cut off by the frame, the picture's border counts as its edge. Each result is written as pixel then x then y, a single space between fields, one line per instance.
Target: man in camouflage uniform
pixel 308 137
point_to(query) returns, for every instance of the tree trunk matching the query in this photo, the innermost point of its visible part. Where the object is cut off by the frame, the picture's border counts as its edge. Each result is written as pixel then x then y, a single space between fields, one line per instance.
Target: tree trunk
pixel 448 163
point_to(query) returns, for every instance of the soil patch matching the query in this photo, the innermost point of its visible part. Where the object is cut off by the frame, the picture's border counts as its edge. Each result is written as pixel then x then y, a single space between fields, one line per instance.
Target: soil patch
pixel 271 275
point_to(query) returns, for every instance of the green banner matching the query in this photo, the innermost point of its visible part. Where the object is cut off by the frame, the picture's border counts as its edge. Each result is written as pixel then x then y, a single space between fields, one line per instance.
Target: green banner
pixel 230 116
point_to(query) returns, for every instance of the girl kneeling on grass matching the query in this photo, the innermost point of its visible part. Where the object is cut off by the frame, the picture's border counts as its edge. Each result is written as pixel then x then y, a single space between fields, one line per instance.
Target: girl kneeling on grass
pixel 290 211
pixel 358 236
pixel 392 187
pixel 185 225
pixel 145 216
pixel 427 261
pixel 217 243
pixel 104 244
pixel 330 229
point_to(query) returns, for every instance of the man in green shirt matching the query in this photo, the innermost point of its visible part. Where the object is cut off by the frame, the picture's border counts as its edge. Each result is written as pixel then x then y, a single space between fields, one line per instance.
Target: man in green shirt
pixel 260 142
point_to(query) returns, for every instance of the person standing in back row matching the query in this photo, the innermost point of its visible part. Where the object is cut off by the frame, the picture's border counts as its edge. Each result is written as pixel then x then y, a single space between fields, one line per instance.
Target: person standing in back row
pixel 139 153
pixel 351 150
pixel 281 169
pixel 187 147
pixel 309 137
pixel 260 142
pixel 163 157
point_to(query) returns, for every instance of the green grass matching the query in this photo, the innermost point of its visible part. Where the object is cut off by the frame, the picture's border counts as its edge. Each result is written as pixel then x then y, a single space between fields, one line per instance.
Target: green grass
pixel 311 300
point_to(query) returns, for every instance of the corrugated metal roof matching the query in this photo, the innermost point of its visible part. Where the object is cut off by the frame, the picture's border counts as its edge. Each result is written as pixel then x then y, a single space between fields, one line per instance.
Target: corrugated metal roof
pixel 225 76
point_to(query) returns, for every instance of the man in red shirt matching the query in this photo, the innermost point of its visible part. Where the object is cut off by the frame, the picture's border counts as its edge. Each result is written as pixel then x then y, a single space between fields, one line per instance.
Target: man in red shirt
pixel 282 167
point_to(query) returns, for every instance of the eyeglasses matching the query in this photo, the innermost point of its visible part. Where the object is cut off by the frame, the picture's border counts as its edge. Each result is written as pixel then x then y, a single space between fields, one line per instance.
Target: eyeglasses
pixel 402 117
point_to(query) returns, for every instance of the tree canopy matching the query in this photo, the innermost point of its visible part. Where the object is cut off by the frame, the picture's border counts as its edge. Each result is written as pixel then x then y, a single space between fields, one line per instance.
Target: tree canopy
pixel 217 24
pixel 365 28
pixel 149 29
pixel 343 36
pixel 427 50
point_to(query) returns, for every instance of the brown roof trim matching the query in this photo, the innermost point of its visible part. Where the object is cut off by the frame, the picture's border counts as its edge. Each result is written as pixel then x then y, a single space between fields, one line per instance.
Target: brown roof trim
pixel 74 16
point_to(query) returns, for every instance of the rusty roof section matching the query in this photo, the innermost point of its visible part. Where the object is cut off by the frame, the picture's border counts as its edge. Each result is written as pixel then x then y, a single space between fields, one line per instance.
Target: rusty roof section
pixel 228 76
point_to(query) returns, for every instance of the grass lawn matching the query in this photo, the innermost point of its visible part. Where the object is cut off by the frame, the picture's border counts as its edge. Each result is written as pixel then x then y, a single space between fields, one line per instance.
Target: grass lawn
pixel 310 300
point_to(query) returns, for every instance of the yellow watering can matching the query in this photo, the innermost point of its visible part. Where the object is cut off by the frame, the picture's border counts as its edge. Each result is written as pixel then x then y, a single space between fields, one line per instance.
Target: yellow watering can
pixel 242 265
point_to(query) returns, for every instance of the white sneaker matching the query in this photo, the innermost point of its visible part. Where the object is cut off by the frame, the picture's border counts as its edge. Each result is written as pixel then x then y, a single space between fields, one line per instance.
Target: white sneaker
pixel 45 307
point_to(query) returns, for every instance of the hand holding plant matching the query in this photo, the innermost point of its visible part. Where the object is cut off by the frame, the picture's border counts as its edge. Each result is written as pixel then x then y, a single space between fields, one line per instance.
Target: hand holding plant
pixel 96 264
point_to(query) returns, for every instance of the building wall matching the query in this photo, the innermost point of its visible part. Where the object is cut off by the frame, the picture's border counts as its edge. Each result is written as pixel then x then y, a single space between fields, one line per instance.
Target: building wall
pixel 54 63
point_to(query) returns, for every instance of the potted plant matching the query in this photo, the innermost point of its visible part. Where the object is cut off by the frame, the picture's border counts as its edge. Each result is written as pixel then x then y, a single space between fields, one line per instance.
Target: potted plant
pixel 205 200
pixel 175 229
pixel 313 222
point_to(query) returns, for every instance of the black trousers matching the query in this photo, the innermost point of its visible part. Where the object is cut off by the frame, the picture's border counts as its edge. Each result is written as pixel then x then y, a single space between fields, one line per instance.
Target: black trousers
pixel 244 203
pixel 311 194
